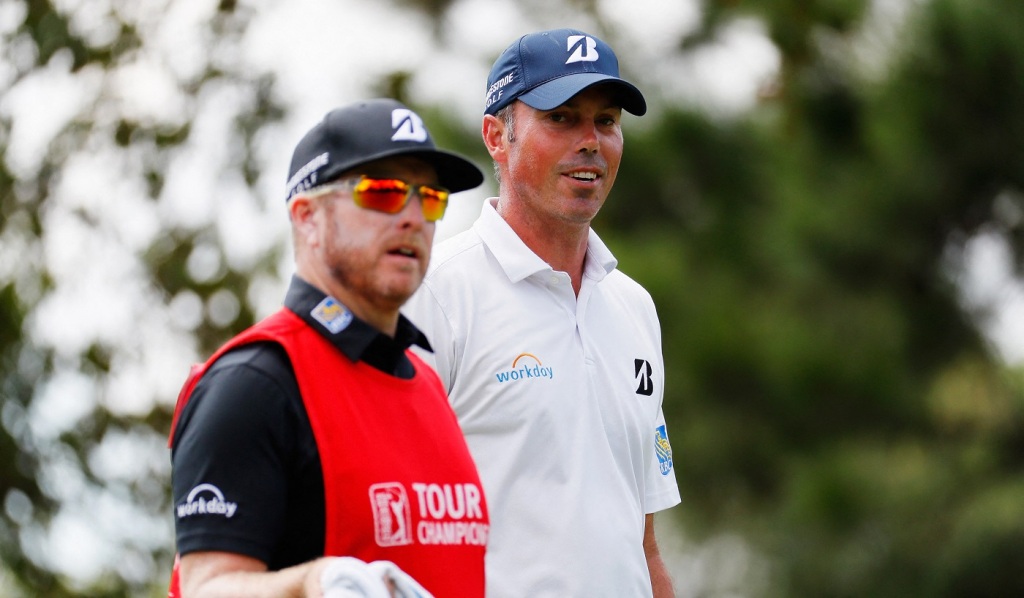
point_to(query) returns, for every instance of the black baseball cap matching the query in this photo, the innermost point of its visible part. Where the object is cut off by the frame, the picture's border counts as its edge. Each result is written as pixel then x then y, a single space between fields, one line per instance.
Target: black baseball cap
pixel 546 68
pixel 369 130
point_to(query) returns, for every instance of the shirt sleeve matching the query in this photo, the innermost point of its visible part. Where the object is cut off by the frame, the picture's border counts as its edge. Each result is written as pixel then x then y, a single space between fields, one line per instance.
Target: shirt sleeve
pixel 424 310
pixel 662 488
pixel 230 464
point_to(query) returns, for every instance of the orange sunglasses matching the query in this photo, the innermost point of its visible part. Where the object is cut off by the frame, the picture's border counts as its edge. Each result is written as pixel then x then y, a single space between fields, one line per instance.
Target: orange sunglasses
pixel 391 195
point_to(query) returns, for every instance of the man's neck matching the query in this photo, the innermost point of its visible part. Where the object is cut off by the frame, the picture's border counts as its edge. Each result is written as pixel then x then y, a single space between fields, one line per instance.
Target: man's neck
pixel 384 320
pixel 563 246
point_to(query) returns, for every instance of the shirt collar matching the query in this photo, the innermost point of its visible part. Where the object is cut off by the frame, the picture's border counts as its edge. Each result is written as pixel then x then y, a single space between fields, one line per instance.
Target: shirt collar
pixel 355 338
pixel 519 261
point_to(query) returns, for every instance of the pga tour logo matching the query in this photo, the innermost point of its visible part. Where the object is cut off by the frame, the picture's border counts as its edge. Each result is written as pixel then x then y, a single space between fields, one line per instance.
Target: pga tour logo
pixel 449 514
pixel 392 522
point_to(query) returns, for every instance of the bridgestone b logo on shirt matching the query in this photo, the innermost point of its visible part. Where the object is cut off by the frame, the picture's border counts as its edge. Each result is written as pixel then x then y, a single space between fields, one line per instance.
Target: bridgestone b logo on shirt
pixel 450 514
pixel 643 373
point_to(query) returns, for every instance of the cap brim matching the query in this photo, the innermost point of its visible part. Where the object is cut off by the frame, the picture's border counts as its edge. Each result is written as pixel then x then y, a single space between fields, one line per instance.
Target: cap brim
pixel 454 172
pixel 556 92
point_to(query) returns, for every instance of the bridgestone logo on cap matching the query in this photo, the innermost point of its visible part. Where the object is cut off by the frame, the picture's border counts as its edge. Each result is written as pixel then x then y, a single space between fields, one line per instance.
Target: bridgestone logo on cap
pixel 408 126
pixel 497 86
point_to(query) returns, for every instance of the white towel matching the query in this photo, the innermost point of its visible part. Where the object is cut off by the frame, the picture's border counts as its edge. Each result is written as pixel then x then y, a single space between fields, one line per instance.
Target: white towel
pixel 405 585
pixel 349 577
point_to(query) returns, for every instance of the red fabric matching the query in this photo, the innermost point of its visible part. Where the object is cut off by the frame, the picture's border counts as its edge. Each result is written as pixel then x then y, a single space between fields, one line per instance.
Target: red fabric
pixel 399 482
pixel 174 590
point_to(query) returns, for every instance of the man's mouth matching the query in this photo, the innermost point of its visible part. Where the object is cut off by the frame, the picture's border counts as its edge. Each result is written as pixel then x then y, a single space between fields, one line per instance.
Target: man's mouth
pixel 404 252
pixel 586 176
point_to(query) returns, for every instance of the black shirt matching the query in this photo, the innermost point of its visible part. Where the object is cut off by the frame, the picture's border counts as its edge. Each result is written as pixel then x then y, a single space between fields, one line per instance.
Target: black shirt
pixel 246 475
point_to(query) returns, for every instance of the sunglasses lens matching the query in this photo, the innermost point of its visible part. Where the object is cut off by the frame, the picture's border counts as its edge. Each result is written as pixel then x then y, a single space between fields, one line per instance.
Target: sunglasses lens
pixel 383 195
pixel 435 201
pixel 390 195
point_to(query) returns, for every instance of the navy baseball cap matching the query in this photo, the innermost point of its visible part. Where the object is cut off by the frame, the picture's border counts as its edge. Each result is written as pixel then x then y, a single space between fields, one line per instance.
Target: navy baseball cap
pixel 369 130
pixel 547 68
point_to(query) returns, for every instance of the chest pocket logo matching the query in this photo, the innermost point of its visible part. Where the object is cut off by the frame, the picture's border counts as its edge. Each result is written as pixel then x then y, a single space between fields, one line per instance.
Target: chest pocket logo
pixel 642 373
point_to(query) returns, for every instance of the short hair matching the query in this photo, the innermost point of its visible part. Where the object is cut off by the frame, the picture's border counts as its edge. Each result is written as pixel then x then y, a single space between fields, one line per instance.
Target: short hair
pixel 507 114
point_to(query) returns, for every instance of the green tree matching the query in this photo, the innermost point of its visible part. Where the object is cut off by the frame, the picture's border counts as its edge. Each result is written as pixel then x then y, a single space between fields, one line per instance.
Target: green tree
pixel 831 396
pixel 48 43
pixel 831 399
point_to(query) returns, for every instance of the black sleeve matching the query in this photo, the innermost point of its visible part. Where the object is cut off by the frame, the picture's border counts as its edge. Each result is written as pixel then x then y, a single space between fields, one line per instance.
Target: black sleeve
pixel 246 477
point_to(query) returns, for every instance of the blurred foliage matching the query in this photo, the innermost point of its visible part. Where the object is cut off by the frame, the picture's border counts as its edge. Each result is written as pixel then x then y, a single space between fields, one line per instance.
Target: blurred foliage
pixel 46 35
pixel 830 398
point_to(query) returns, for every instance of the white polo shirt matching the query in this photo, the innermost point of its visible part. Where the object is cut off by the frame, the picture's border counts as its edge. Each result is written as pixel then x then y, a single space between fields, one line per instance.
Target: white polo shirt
pixel 559 398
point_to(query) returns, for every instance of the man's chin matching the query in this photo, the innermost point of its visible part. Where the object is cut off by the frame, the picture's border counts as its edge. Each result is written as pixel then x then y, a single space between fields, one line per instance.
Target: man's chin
pixel 400 292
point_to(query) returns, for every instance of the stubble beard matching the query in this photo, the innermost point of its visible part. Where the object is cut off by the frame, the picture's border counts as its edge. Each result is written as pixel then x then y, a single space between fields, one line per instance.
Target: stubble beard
pixel 361 281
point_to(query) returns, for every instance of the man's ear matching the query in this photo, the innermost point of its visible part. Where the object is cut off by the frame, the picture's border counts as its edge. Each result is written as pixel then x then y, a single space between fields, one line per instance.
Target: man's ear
pixel 495 137
pixel 302 212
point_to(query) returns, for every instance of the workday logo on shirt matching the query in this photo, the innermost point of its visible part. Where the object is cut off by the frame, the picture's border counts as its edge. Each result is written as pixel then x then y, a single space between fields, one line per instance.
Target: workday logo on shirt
pixel 206 499
pixel 526 366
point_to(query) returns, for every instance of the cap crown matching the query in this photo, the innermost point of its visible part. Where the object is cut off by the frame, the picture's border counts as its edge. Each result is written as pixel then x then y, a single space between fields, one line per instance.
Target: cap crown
pixel 370 130
pixel 545 69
